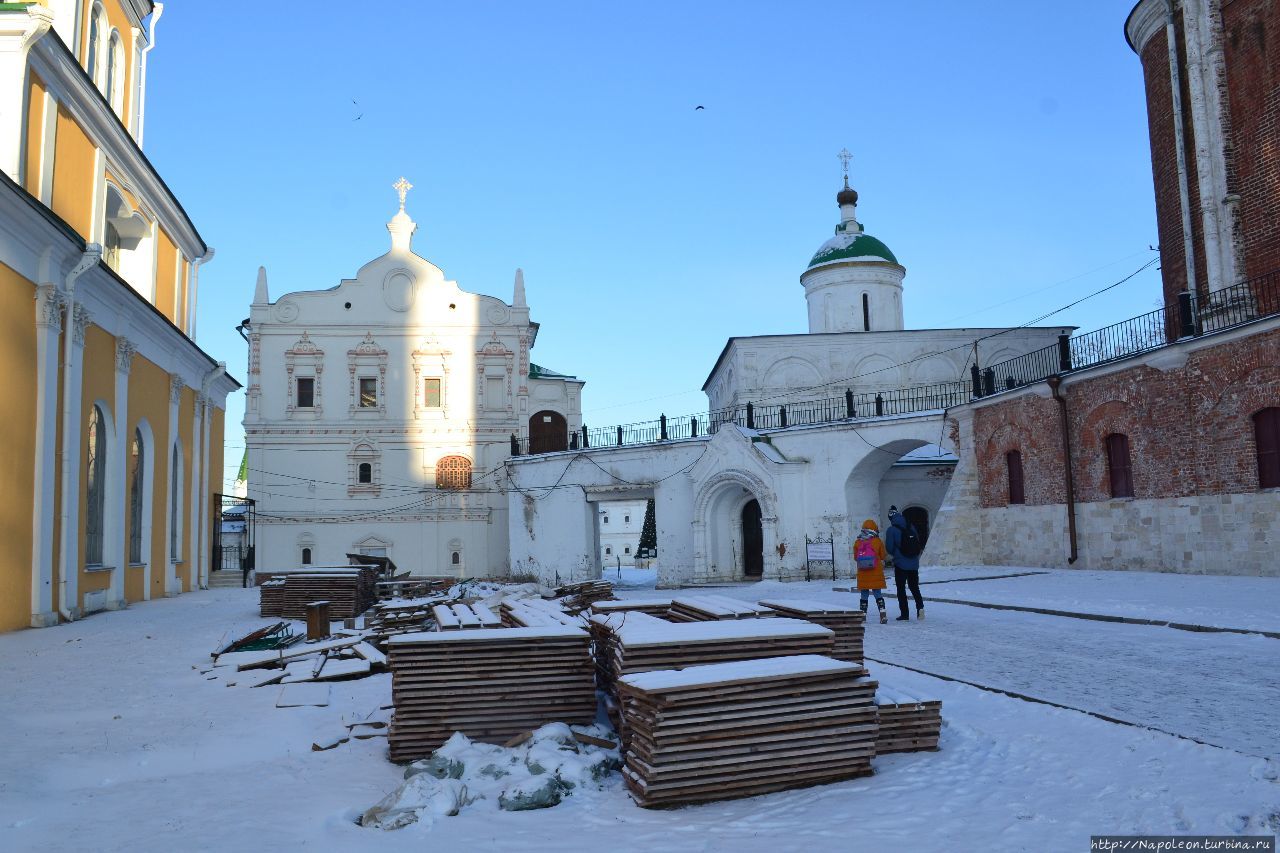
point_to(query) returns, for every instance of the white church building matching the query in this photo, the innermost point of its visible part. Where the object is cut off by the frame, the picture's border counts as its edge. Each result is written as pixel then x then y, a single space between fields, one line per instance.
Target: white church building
pixel 806 435
pixel 380 412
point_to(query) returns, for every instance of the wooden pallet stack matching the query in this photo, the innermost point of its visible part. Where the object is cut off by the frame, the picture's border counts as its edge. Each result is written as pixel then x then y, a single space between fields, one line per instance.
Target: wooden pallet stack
pixel 636 642
pixel 751 727
pixel 909 727
pixel 490 685
pixel 535 613
pixel 653 606
pixel 349 592
pixel 271 598
pixel 461 617
pixel 604 629
pixel 580 596
pixel 848 623
pixel 712 608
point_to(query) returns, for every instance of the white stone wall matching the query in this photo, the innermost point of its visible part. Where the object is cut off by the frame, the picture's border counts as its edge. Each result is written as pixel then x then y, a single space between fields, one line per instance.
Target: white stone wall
pixel 399 322
pixel 770 369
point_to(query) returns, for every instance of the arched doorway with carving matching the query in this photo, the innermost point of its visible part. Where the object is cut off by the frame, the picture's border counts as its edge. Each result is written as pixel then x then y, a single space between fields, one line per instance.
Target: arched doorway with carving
pixel 548 432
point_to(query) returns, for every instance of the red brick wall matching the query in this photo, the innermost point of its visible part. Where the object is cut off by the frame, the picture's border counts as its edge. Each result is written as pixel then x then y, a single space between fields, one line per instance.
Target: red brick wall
pixel 1164 166
pixel 1251 49
pixel 1190 429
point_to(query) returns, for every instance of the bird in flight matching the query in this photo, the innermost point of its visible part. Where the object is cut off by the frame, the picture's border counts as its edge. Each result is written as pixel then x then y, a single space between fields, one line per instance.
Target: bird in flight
pixel 699 107
pixel 357 118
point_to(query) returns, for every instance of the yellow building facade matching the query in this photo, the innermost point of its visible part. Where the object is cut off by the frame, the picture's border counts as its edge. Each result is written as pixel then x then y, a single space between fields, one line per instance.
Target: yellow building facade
pixel 113 417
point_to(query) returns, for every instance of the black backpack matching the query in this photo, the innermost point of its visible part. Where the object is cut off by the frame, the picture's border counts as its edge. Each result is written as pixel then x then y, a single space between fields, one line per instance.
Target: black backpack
pixel 909 545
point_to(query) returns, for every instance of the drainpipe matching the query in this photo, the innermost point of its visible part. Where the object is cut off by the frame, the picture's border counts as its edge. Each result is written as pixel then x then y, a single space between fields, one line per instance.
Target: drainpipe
pixel 192 313
pixel 92 254
pixel 1184 192
pixel 1054 383
pixel 156 12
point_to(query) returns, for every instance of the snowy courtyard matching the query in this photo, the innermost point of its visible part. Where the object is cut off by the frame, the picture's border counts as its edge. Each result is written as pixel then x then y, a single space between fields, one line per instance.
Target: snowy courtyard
pixel 118 741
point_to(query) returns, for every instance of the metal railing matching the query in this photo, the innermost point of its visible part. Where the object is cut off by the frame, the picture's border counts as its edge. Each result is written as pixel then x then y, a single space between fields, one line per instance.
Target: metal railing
pixel 1190 316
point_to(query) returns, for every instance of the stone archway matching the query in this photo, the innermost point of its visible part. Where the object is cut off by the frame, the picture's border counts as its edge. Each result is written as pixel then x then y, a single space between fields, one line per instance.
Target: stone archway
pixel 548 432
pixel 720 541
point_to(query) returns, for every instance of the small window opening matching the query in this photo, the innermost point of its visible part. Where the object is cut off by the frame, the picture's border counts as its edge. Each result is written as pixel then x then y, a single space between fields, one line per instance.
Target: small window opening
pixel 306 392
pixel 306 556
pixel 866 313
pixel 1013 459
pixel 365 474
pixel 368 392
pixel 456 559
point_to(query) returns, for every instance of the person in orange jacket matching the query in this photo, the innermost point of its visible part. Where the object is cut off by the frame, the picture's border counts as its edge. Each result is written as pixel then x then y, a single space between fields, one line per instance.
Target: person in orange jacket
pixel 868 558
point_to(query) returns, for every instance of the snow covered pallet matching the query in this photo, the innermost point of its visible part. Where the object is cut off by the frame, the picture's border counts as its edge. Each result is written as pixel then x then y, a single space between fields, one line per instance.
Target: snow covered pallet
pixel 490 685
pixel 458 617
pixel 708 608
pixel 745 728
pixel 580 596
pixel 636 642
pixel 909 727
pixel 271 598
pixel 653 606
pixel 848 623
pixel 536 613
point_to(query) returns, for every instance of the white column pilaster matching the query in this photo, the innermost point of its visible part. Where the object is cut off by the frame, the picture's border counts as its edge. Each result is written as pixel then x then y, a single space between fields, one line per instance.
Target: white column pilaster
pixel 18 31
pixel 116 552
pixel 206 514
pixel 49 305
pixel 73 424
pixel 171 585
pixel 193 525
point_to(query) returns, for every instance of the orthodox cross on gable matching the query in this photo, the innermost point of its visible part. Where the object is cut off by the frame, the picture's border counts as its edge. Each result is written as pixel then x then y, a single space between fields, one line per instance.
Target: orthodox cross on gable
pixel 844 157
pixel 402 187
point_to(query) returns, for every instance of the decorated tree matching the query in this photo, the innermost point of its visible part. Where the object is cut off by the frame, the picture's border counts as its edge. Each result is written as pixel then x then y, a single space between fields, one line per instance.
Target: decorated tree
pixel 649 533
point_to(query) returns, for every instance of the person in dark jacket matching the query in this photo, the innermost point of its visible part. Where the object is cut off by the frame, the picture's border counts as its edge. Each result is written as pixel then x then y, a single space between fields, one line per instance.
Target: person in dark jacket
pixel 906 570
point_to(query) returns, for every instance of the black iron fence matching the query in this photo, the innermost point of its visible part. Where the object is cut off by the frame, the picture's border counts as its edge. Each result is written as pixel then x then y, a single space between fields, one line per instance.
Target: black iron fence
pixel 1190 316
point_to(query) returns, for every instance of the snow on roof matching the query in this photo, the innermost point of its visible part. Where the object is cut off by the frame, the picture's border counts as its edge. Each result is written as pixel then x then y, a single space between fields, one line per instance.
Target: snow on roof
pixel 501 635
pixel 809 605
pixel 643 632
pixel 737 671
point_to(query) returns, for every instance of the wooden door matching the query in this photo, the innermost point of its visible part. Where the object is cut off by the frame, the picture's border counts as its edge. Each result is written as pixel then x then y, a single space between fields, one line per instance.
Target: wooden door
pixel 752 540
pixel 548 432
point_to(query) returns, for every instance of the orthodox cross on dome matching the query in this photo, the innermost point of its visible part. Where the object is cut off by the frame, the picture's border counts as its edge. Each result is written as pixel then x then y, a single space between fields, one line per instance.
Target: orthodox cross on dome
pixel 402 187
pixel 844 156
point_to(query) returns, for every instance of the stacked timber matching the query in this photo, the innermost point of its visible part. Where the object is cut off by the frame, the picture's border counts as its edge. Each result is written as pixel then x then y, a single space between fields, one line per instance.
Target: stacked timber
pixel 909 727
pixel 848 623
pixel 489 685
pixel 637 642
pixel 580 596
pixel 745 728
pixel 461 617
pixel 653 606
pixel 604 641
pixel 535 613
pixel 350 589
pixel 349 592
pixel 271 598
pixel 711 608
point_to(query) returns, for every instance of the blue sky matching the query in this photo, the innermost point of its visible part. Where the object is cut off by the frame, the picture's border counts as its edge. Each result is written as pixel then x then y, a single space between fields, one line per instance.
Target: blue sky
pixel 1000 150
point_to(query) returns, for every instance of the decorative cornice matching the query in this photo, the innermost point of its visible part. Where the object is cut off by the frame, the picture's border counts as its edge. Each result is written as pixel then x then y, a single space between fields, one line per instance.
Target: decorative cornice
pixel 125 350
pixel 80 320
pixel 1146 19
pixel 304 346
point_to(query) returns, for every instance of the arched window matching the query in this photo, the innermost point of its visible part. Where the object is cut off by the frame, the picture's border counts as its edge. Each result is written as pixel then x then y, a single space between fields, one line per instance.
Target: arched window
pixel 95 35
pixel 456 559
pixel 137 474
pixel 306 556
pixel 1118 467
pixel 95 475
pixel 453 472
pixel 365 473
pixel 115 82
pixel 175 504
pixel 866 313
pixel 1013 461
pixel 1266 437
pixel 608 551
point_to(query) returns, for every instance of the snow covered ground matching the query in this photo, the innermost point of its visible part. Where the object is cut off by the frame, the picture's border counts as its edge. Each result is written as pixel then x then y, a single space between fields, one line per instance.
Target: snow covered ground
pixel 115 742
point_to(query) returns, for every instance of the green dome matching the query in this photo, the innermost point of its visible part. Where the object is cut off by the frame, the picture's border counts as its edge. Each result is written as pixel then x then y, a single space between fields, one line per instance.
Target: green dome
pixel 845 247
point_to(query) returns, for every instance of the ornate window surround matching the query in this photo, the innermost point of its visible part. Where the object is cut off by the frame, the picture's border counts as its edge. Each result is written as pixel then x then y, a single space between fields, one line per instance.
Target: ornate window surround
pixel 304 359
pixel 430 361
pixel 367 360
pixel 364 449
pixel 494 360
